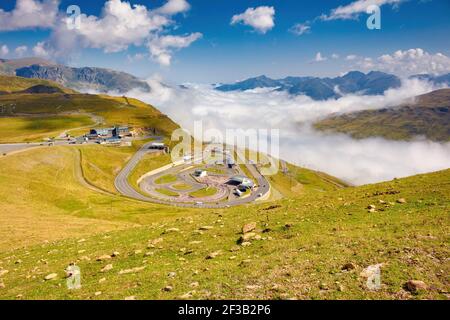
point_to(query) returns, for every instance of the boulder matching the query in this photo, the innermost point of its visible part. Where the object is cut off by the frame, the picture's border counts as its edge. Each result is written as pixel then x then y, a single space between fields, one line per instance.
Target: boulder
pixel 107 268
pixel 212 255
pixel 171 230
pixel 415 286
pixel 104 257
pixel 133 270
pixel 249 227
pixel 349 266
pixel 246 237
pixel 50 276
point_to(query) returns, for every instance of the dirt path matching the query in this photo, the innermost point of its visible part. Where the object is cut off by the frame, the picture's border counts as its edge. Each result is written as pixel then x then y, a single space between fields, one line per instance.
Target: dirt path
pixel 79 175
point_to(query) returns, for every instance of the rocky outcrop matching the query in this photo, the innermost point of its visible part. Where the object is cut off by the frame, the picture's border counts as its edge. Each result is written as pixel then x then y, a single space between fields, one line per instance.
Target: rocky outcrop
pixel 85 79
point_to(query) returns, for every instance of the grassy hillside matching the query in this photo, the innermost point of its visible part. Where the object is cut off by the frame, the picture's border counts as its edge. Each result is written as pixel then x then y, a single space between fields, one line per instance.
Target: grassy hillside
pixel 112 110
pixel 52 107
pixel 43 197
pixel 26 129
pixel 303 242
pixel 429 116
pixel 10 84
pixel 298 181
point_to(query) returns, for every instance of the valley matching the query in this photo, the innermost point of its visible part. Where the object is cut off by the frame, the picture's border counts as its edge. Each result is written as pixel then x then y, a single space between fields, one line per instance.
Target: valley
pixel 120 214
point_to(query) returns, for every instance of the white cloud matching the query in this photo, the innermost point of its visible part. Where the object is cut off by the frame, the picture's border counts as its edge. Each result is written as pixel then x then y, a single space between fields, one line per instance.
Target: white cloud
pixel 29 14
pixel 371 160
pixel 161 48
pixel 319 57
pixel 407 62
pixel 119 26
pixel 4 50
pixel 20 51
pixel 415 61
pixel 351 57
pixel 41 51
pixel 260 18
pixel 354 9
pixel 300 29
pixel 335 56
pixel 174 6
pixel 350 11
pixel 136 57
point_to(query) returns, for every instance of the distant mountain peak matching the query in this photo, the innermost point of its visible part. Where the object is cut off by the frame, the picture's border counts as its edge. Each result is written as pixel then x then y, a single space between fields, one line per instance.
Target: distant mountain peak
pixel 372 83
pixel 86 78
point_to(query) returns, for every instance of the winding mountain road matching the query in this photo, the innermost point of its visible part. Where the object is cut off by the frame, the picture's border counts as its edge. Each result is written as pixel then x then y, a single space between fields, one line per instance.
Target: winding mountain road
pixel 124 187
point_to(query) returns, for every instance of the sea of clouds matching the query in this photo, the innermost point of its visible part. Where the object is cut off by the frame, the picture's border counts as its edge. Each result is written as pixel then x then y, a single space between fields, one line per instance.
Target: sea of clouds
pixel 355 161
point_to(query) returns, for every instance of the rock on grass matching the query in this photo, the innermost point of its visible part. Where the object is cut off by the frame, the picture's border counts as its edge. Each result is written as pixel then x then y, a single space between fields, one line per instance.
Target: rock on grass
pixel 348 266
pixel 104 257
pixel 171 230
pixel 249 227
pixel 415 285
pixel 133 270
pixel 107 268
pixel 50 276
pixel 213 255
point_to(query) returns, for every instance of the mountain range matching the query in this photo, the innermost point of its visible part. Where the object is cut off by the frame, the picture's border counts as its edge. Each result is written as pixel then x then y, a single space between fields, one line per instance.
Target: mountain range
pixel 83 79
pixel 354 82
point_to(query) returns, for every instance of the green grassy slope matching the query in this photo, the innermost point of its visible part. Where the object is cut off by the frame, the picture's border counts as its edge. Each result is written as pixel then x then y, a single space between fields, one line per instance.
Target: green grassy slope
pixel 13 84
pixel 114 110
pixel 428 117
pixel 42 197
pixel 300 254
pixel 26 129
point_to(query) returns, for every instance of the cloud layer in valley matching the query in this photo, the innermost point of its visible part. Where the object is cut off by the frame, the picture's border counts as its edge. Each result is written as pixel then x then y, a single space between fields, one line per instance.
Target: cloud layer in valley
pixel 356 161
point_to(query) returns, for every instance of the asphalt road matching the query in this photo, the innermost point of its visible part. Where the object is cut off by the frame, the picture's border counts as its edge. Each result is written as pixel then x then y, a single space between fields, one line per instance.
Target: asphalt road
pixel 15 147
pixel 122 185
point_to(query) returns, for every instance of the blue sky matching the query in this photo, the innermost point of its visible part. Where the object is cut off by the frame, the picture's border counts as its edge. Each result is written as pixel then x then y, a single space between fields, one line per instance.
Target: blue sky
pixel 208 48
